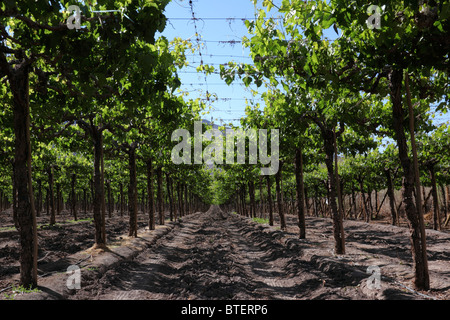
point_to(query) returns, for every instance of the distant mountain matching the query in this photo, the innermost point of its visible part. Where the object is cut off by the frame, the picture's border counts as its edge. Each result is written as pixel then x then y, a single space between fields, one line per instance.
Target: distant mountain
pixel 209 123
pixel 215 126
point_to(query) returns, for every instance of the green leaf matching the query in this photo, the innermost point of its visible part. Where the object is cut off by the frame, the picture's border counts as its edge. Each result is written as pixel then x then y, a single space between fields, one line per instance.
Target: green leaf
pixel 314 58
pixel 438 24
pixel 247 81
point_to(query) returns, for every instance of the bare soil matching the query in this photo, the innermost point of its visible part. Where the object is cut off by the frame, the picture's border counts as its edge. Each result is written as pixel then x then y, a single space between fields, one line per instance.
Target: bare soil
pixel 223 256
pixel 56 242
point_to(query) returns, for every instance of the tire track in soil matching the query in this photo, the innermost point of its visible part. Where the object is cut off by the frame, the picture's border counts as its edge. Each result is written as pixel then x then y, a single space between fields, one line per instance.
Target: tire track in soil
pixel 209 257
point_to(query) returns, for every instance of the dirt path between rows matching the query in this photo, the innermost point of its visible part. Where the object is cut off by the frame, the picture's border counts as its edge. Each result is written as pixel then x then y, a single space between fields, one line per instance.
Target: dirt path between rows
pixel 224 256
pixel 216 255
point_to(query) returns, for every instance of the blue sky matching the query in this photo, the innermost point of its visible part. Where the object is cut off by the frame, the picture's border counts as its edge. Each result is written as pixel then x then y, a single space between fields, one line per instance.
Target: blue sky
pixel 220 21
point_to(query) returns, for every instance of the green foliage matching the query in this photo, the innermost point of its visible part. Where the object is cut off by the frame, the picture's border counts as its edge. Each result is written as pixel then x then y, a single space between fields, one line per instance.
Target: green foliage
pixel 111 76
pixel 18 291
pixel 261 220
pixel 114 75
pixel 313 82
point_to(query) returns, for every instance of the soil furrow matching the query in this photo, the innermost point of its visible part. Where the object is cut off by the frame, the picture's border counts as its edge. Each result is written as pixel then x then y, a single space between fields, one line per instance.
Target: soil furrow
pixel 209 257
pixel 218 256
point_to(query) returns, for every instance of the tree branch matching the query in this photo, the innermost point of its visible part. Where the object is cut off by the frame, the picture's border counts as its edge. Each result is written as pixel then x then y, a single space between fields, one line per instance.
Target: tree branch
pixel 85 126
pixel 5 68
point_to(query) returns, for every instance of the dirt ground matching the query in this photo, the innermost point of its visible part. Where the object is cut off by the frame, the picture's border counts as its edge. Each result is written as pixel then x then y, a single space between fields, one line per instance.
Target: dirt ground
pixel 56 242
pixel 222 256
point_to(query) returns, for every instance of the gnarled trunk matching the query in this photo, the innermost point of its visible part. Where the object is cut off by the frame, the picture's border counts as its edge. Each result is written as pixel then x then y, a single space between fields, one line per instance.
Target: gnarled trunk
pixel 436 209
pixel 51 195
pixel 169 194
pixel 24 209
pixel 180 200
pixel 391 195
pixel 413 211
pixel 132 193
pixel 251 192
pixel 338 227
pixel 100 237
pixel 74 197
pixel 151 207
pixel 279 200
pixel 160 196
pixel 300 189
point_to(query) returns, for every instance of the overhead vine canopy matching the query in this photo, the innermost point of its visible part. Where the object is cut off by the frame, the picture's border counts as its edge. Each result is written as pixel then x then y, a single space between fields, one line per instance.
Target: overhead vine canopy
pixel 90 98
